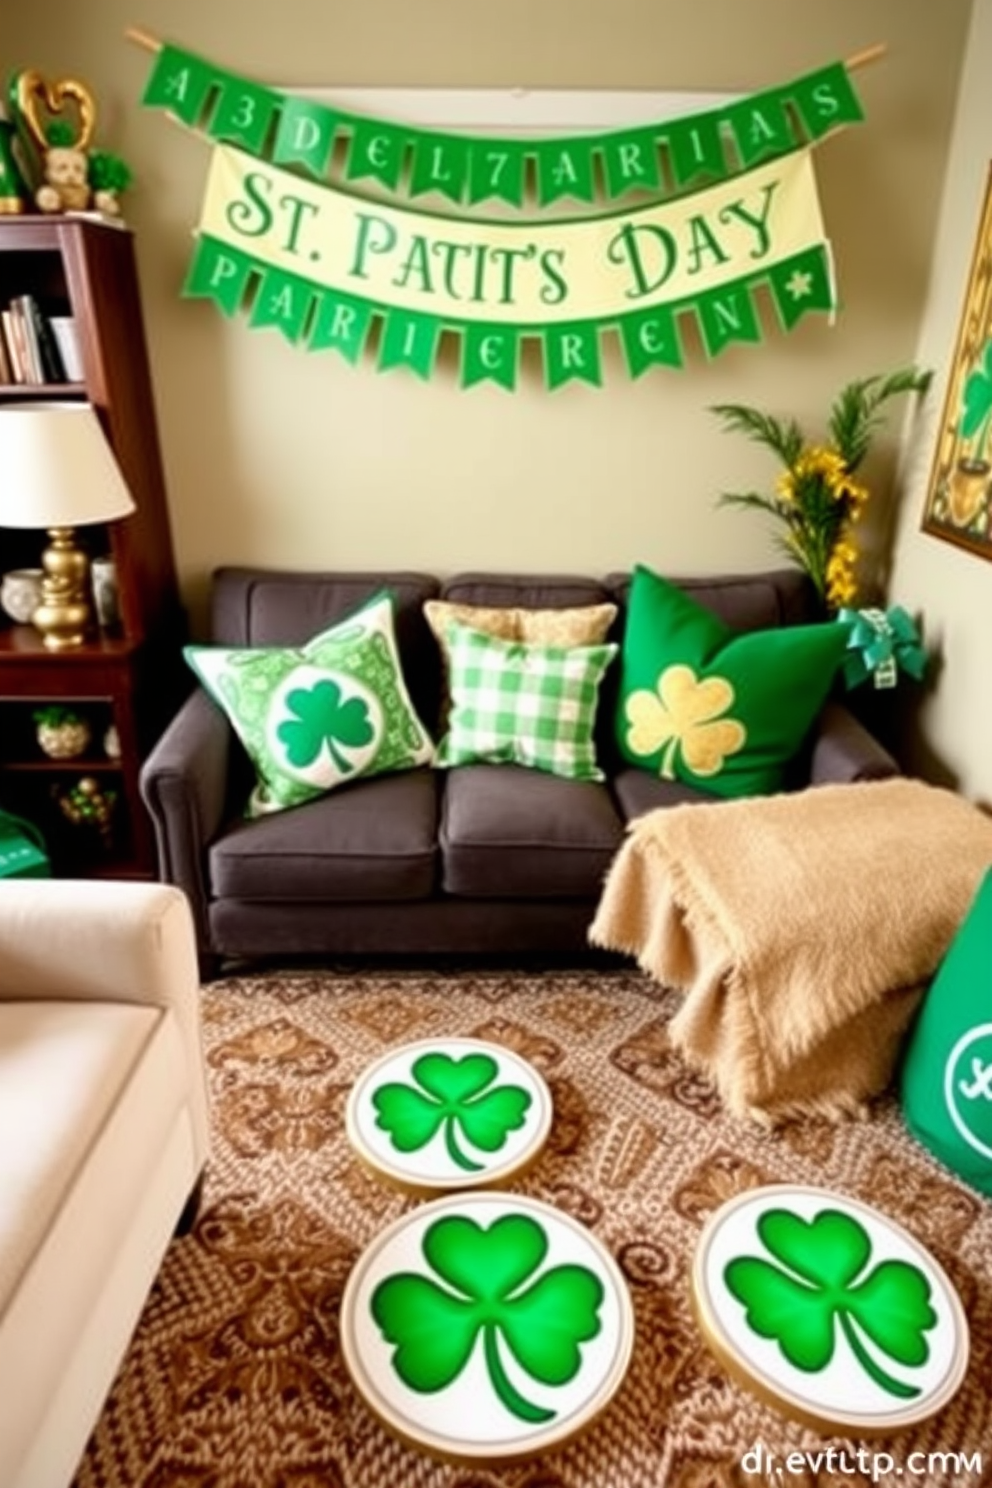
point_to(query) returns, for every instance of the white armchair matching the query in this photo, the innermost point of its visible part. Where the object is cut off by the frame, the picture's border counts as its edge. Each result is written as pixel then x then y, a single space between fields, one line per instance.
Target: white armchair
pixel 103 1139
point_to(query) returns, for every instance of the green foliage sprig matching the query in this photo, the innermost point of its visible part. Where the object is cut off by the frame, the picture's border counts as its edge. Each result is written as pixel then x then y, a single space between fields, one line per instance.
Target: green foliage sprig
pixel 817 498
pixel 56 715
pixel 108 172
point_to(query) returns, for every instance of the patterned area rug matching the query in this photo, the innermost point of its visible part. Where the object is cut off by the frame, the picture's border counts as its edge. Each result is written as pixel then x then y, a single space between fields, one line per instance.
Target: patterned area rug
pixel 234 1378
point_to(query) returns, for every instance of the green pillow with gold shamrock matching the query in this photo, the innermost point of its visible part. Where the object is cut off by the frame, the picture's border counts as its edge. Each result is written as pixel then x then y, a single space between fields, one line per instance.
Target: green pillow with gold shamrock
pixel 720 709
pixel 320 715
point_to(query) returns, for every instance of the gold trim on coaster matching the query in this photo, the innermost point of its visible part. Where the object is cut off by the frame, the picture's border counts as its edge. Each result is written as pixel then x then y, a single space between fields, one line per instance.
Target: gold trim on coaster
pixel 785 1403
pixel 498 1176
pixel 544 1441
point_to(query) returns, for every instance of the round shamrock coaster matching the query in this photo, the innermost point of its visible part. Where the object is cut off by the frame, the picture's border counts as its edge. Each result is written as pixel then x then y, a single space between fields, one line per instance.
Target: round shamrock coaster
pixel 486 1325
pixel 446 1114
pixel 829 1310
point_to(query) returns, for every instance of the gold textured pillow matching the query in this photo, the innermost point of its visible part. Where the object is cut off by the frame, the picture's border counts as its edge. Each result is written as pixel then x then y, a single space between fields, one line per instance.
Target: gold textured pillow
pixel 584 625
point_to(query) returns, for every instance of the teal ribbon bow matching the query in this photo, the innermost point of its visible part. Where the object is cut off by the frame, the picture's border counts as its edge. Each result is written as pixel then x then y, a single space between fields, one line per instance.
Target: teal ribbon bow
pixel 883 643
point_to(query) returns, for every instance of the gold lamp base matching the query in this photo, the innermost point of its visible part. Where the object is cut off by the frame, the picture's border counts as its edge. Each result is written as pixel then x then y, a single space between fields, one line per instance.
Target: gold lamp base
pixel 65 614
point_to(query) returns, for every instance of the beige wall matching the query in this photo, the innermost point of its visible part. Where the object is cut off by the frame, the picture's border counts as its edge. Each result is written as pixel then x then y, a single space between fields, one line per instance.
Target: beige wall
pixel 949 587
pixel 277 456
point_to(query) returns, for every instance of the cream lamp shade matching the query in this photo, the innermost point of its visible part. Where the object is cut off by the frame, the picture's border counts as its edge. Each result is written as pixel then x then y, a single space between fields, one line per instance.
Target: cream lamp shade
pixel 57 471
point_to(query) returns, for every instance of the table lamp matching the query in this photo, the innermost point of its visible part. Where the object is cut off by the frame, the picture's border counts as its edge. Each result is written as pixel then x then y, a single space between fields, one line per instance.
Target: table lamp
pixel 57 471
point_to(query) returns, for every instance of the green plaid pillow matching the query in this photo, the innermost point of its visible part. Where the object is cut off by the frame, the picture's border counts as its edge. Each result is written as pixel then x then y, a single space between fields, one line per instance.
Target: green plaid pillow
pixel 513 703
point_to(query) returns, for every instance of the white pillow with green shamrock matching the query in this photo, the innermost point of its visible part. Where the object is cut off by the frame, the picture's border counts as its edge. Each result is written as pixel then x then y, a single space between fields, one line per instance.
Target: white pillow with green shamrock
pixel 317 716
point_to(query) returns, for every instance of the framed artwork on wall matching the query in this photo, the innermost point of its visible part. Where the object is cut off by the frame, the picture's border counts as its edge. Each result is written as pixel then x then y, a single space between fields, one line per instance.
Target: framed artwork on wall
pixel 959 497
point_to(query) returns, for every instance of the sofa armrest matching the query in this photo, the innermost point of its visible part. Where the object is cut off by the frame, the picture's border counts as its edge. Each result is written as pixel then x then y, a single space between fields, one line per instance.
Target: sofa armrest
pixel 107 940
pixel 184 784
pixel 98 940
pixel 844 751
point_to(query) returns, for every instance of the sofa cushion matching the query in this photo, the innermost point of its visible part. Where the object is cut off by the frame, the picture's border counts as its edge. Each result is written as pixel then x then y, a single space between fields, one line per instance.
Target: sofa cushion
pixel 576 625
pixel 63 1066
pixel 375 839
pixel 743 601
pixel 317 716
pixel 637 792
pixel 526 705
pixel 273 607
pixel 528 591
pixel 718 709
pixel 512 833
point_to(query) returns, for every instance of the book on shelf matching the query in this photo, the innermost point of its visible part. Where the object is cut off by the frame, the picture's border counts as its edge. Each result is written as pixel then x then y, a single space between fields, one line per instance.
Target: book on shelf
pixel 6 370
pixel 64 330
pixel 32 351
pixel 16 348
pixel 50 356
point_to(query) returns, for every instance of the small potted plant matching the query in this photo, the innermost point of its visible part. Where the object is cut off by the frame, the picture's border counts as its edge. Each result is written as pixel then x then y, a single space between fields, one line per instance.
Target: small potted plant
pixel 818 500
pixel 62 732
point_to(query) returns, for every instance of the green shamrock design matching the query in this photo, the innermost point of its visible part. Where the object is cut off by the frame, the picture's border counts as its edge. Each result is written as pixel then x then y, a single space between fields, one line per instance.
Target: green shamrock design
pixel 817 1285
pixel 976 412
pixel 453 1093
pixel 322 718
pixel 435 1330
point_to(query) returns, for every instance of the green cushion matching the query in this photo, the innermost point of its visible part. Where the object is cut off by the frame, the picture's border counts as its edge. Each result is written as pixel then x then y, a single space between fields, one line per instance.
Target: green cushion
pixel 320 715
pixel 514 703
pixel 719 709
pixel 945 1085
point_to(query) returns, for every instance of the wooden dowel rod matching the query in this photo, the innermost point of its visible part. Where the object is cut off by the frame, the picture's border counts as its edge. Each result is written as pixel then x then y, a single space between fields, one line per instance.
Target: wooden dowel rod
pixel 143 39
pixel 866 55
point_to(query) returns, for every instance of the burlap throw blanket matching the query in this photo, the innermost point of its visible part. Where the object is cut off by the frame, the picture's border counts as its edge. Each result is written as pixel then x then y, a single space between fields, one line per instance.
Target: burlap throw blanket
pixel 802 929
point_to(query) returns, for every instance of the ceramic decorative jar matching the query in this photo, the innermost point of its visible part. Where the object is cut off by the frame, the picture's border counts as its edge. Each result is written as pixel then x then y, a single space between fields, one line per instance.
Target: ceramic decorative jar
pixel 20 593
pixel 62 733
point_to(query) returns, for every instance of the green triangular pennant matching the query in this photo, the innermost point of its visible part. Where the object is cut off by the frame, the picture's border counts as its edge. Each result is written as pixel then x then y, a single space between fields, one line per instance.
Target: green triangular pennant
pixel 305 135
pixel 727 315
pixel 341 324
pixel 632 161
pixel 564 168
pixel 283 300
pixel 651 339
pixel 490 354
pixel 571 353
pixel 180 83
pixel 377 151
pixel 219 273
pixel 761 127
pixel 696 148
pixel 244 114
pixel 440 163
pixel 410 340
pixel 496 169
pixel 825 99
pixel 802 283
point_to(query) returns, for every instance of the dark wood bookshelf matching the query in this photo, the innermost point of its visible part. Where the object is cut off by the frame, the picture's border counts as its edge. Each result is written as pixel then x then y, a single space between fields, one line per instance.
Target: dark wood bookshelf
pixel 131 676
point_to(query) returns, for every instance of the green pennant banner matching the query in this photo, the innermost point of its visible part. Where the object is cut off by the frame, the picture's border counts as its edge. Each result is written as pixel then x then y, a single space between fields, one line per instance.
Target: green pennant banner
pixel 244 115
pixel 305 136
pixel 319 264
pixel 671 156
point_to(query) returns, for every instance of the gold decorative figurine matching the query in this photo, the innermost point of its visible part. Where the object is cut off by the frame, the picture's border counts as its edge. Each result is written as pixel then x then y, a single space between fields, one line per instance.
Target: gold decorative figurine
pixel 56 123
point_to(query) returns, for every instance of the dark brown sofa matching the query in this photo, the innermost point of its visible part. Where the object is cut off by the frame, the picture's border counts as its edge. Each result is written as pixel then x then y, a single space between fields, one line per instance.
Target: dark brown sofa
pixel 487 859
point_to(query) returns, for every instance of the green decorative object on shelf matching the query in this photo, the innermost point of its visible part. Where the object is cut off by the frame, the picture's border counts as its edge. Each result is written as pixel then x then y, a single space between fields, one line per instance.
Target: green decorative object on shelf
pixel 22 849
pixel 14 192
pixel 62 732
pixel 88 804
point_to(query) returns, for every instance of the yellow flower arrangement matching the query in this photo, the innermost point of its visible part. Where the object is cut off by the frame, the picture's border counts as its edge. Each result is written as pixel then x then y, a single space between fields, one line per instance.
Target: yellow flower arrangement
pixel 817 498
